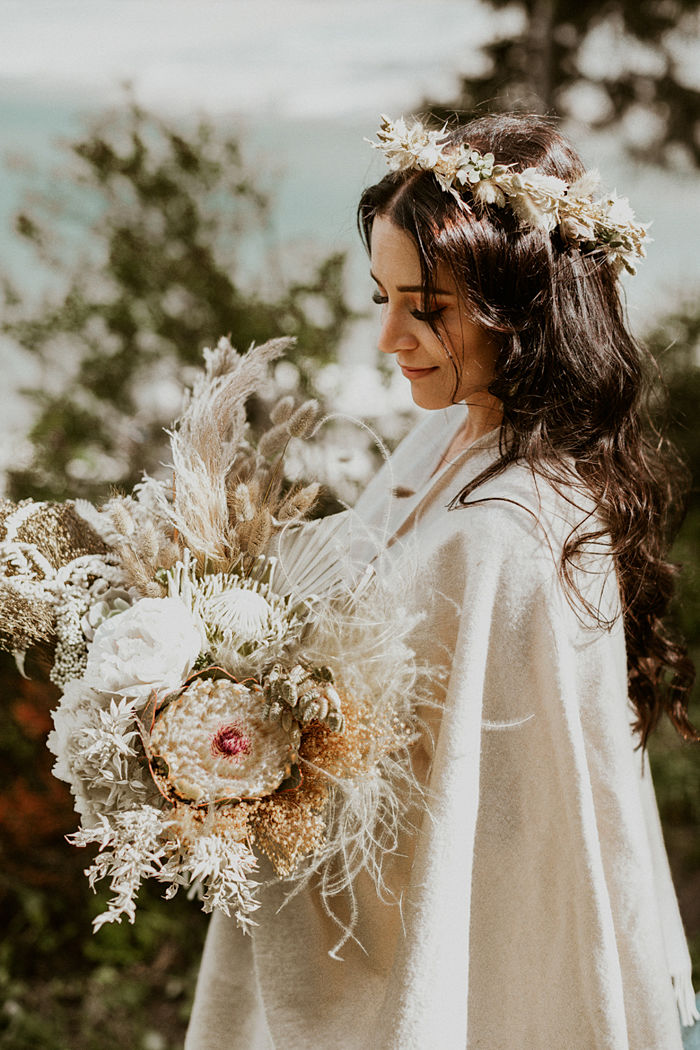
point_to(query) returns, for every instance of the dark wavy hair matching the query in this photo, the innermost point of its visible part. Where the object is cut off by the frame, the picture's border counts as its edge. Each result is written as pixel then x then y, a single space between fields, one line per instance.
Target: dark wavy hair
pixel 574 384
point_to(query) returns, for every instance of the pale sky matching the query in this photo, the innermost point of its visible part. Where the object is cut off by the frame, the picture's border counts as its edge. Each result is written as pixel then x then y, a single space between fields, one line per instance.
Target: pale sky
pixel 298 57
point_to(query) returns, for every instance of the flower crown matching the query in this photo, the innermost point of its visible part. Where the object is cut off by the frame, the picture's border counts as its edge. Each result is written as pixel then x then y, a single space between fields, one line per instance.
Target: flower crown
pixel 538 200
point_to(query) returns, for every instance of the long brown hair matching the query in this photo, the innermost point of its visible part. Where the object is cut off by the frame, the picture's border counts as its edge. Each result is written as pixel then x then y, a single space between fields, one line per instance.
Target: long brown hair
pixel 574 384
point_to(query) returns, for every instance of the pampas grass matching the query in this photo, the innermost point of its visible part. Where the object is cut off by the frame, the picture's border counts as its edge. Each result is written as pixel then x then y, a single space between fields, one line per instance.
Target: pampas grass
pixel 225 490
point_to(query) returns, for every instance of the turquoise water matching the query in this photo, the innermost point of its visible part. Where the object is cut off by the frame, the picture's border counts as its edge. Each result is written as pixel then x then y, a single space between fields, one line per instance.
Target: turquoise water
pixel 314 169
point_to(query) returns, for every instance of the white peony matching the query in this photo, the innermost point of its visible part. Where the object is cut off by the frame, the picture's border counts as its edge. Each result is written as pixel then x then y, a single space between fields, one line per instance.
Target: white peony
pixel 152 645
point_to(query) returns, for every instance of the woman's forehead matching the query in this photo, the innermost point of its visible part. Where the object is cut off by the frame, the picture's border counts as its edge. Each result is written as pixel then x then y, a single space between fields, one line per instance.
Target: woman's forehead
pixel 395 260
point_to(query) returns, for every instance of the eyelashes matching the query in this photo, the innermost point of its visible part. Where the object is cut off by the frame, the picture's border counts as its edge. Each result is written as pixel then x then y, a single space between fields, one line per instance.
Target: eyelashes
pixel 429 316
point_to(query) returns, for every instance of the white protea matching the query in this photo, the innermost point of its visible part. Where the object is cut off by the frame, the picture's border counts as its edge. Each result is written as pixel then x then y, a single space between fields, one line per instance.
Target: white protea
pixel 246 622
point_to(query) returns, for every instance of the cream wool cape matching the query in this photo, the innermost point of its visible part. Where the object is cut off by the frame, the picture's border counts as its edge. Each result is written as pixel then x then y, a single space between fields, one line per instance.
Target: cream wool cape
pixel 536 905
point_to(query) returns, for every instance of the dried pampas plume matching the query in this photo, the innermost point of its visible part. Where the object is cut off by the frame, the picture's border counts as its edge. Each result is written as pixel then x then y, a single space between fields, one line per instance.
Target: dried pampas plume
pixel 282 410
pixel 208 443
pixel 303 419
pixel 228 496
pixel 274 441
pixel 121 518
pixel 299 502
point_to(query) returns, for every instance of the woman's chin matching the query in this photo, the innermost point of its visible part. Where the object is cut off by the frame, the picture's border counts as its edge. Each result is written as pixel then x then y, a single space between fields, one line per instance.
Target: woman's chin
pixel 424 399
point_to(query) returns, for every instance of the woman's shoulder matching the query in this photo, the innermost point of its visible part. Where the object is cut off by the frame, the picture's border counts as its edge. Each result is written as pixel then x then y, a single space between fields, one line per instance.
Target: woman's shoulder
pixel 514 522
pixel 520 501
pixel 515 526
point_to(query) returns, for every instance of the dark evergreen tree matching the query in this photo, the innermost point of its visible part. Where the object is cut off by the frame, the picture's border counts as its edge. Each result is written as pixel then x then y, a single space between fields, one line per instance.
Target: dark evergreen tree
pixel 540 67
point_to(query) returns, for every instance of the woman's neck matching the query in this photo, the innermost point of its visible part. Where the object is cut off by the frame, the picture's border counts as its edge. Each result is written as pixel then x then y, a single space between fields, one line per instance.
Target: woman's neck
pixel 485 414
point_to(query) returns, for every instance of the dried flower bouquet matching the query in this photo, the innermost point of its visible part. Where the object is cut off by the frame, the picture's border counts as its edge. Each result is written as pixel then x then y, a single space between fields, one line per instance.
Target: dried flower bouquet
pixel 228 689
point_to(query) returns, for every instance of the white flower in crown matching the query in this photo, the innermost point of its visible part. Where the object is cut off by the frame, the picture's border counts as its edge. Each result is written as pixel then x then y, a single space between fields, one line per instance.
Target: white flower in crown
pixel 618 210
pixel 489 192
pixel 576 230
pixel 152 645
pixel 534 197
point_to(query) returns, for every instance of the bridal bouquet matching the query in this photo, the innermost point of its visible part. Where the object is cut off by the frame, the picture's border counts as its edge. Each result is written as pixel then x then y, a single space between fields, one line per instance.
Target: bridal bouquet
pixel 228 688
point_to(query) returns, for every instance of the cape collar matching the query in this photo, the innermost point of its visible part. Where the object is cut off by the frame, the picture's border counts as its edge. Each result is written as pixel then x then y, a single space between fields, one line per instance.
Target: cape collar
pixel 408 483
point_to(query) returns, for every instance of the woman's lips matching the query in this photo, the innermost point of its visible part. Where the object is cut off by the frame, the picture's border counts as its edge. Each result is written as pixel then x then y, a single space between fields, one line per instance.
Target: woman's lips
pixel 416 373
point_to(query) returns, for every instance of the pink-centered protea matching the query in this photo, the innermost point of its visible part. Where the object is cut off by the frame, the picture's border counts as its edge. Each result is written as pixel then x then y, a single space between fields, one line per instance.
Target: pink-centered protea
pixel 230 741
pixel 212 744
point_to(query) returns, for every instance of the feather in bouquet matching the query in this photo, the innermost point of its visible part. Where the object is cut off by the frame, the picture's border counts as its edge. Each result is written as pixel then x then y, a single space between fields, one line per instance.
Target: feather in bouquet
pixel 228 690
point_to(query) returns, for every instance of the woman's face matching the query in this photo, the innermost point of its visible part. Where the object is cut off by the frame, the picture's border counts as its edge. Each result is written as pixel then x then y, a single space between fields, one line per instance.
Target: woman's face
pixel 406 330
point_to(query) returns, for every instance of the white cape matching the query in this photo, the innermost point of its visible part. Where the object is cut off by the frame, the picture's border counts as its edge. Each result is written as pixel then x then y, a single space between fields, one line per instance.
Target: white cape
pixel 536 904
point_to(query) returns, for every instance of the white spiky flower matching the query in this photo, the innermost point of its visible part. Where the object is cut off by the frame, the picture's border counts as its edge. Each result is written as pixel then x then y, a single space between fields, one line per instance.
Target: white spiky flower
pixel 239 612
pixel 95 741
pixel 220 868
pixel 247 624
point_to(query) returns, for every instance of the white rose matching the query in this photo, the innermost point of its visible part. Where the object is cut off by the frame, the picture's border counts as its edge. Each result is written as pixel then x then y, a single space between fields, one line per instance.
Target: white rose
pixel 152 645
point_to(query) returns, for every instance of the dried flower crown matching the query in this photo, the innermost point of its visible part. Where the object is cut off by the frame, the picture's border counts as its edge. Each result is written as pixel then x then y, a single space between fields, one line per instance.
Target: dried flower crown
pixel 537 200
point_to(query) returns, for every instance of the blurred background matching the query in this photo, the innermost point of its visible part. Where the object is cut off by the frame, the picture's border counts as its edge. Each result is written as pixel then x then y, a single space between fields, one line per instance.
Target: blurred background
pixel 175 170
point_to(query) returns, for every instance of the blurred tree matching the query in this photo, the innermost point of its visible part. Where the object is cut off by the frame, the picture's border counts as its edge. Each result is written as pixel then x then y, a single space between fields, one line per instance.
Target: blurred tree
pixel 605 62
pixel 158 278
pixel 675 343
pixel 166 211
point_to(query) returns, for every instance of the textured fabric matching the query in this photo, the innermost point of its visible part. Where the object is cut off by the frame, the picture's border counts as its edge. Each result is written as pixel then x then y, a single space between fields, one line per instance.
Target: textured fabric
pixel 535 907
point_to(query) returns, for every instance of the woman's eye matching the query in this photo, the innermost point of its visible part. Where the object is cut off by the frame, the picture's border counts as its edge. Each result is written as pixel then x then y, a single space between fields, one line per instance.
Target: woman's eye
pixel 430 316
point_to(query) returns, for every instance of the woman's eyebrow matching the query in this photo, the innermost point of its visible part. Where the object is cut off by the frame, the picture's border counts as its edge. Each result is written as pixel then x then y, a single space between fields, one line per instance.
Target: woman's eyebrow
pixel 414 287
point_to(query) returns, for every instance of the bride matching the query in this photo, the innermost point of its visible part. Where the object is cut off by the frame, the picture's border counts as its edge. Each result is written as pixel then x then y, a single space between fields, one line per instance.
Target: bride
pixel 534 907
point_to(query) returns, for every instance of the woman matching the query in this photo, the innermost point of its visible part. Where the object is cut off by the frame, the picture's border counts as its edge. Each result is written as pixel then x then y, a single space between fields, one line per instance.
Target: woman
pixel 534 906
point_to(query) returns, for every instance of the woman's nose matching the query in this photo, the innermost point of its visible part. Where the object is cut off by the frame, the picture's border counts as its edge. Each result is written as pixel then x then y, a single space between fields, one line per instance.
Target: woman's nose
pixel 395 333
